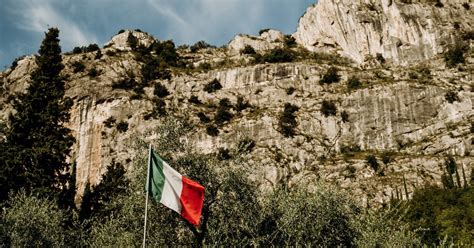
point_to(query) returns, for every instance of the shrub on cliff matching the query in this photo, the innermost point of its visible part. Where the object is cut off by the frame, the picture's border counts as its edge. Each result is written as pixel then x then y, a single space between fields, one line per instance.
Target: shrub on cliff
pixel 279 55
pixel 248 49
pixel 213 86
pixel 328 108
pixel 455 54
pixel 330 76
pixel 287 121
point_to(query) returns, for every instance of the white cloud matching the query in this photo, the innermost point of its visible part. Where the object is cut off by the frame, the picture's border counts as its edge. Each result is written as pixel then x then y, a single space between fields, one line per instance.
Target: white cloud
pixel 38 16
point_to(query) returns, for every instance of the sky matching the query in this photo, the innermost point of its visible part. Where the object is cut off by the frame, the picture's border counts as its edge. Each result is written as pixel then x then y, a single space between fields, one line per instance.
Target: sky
pixel 82 22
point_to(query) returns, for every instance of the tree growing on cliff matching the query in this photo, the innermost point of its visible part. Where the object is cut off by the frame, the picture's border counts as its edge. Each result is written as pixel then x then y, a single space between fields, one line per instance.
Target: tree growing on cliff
pixel 37 144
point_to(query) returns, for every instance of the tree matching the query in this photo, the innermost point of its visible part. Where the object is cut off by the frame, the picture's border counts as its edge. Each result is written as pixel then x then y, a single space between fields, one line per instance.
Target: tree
pixel 37 144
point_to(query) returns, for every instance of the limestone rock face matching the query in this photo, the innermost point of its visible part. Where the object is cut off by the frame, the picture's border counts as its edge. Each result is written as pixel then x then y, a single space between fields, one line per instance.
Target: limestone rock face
pixel 119 41
pixel 400 32
pixel 267 40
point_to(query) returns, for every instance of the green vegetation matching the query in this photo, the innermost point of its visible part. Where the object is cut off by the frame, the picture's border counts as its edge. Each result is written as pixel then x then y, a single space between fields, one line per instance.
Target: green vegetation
pixel 132 41
pixel 455 54
pixel 241 104
pixel 213 86
pixel 86 49
pixel 199 46
pixel 353 83
pixel 277 55
pixel 122 126
pixel 195 100
pixel 161 91
pixel 246 145
pixel 248 49
pixel 223 113
pixel 78 66
pixel 451 96
pixel 203 118
pixel 287 120
pixel 373 163
pixel 331 76
pixel 328 108
pixel 37 144
pixel 212 130
pixel 344 116
pixel 93 72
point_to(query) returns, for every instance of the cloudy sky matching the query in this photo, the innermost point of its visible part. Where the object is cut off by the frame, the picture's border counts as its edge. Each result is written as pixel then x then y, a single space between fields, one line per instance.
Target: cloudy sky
pixel 81 22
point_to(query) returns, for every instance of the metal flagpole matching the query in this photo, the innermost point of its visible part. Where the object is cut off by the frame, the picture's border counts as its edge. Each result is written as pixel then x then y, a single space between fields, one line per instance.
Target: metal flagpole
pixel 146 195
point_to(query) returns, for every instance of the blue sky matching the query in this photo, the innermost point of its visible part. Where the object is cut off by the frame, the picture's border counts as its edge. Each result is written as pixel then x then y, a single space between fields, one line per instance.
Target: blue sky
pixel 81 22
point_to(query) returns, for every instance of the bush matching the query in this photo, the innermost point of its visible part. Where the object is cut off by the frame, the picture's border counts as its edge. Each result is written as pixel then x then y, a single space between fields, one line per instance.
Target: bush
pixel 241 104
pixel 194 99
pixel 213 86
pixel 331 76
pixel 121 31
pixel 263 31
pixel 203 118
pixel 222 115
pixel 451 96
pixel 387 157
pixel 287 121
pixel 93 72
pixel 110 53
pixel 76 50
pixel 353 83
pixel 372 161
pixel 200 45
pixel 161 91
pixel 279 55
pixel 290 91
pixel 204 66
pixel 98 55
pixel 155 69
pixel 166 52
pixel 455 54
pixel 223 154
pixel 109 122
pixel 344 116
pixel 126 84
pixel 132 41
pixel 212 130
pixel 78 67
pixel 248 49
pixel 122 126
pixel 160 107
pixel 437 212
pixel 225 102
pixel 289 41
pixel 246 145
pixel 328 108
pixel 92 48
pixel 379 57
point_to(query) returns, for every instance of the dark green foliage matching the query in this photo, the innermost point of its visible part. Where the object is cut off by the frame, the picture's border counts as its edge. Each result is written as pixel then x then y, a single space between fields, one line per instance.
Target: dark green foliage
pixel 290 91
pixel 78 66
pixel 387 157
pixel 161 91
pixel 353 83
pixel 344 116
pixel 203 118
pixel 331 76
pixel 166 52
pixel 213 86
pixel 248 49
pixel 98 55
pixel 132 41
pixel 451 96
pixel 372 161
pixel 466 6
pixel 246 145
pixel 110 53
pixel 125 84
pixel 379 57
pixel 110 122
pixel 438 212
pixel 200 45
pixel 289 41
pixel 279 55
pixel 37 144
pixel 472 128
pixel 263 31
pixel 77 50
pixel 225 102
pixel 223 114
pixel 93 72
pixel 287 120
pixel 223 154
pixel 160 107
pixel 95 199
pixel 204 66
pixel 328 108
pixel 212 130
pixel 194 99
pixel 121 31
pixel 15 62
pixel 241 104
pixel 455 54
pixel 122 126
pixel 155 68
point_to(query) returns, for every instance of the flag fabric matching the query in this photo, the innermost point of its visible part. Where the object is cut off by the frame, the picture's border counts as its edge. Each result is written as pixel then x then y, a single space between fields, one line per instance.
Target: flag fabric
pixel 173 190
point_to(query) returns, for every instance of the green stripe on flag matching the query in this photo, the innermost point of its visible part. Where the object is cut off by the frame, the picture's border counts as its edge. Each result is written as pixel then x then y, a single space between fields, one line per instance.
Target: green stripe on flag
pixel 157 177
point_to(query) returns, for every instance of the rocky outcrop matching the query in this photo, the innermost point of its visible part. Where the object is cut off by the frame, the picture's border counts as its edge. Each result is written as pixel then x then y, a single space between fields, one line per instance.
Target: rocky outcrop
pixel 267 40
pixel 400 32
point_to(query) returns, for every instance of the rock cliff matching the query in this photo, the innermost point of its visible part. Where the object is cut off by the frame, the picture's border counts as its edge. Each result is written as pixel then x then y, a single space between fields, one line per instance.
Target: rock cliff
pixel 400 31
pixel 399 114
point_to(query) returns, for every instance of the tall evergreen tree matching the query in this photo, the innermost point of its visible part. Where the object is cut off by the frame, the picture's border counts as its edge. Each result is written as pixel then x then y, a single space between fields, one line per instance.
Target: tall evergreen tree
pixel 37 144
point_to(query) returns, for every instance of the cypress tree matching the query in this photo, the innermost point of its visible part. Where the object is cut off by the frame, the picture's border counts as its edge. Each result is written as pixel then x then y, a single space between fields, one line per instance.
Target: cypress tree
pixel 37 144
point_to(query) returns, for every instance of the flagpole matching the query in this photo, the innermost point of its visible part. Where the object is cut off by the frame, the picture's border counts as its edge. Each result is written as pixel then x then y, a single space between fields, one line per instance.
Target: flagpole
pixel 146 195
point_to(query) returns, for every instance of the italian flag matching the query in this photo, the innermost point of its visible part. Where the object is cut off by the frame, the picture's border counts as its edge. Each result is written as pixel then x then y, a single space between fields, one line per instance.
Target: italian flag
pixel 173 190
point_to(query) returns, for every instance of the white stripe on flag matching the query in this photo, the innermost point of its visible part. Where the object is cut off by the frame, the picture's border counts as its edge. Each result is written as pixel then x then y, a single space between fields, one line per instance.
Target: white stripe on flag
pixel 172 188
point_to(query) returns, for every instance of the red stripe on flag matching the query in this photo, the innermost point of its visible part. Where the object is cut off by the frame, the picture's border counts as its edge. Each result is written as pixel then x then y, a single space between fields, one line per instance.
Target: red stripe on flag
pixel 192 198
